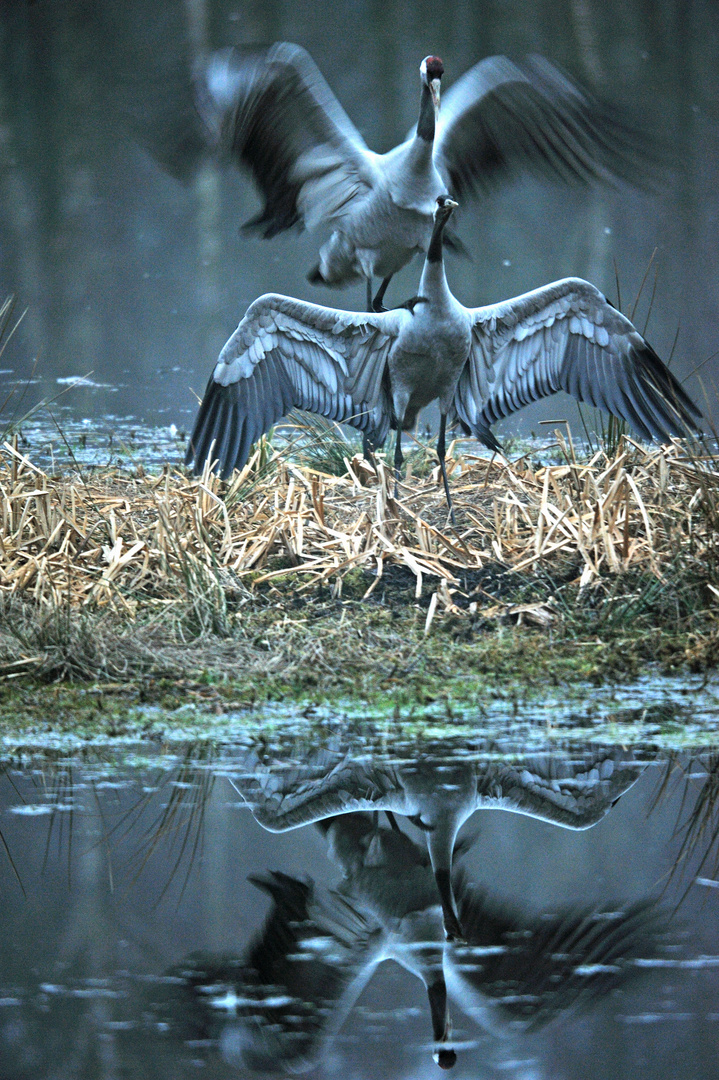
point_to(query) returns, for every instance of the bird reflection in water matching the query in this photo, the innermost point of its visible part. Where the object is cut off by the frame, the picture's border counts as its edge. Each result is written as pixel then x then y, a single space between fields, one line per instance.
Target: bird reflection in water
pixel 280 1005
pixel 439 795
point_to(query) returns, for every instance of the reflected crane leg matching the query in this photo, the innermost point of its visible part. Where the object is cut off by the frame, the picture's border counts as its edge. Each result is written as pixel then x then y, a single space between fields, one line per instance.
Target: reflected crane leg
pixel 444 1054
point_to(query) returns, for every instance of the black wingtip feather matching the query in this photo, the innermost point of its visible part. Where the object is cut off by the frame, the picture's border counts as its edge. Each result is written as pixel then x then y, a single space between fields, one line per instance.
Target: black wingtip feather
pixel 486 437
pixel 204 431
pixel 673 406
pixel 235 440
pixel 268 224
pixel 235 416
pixel 195 446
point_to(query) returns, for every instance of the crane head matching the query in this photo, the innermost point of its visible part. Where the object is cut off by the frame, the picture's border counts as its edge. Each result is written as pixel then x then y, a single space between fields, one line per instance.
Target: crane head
pixel 445 1058
pixel 444 207
pixel 431 70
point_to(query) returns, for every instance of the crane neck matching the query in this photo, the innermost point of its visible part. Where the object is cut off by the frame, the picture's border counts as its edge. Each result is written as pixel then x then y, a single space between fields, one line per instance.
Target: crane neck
pixel 435 251
pixel 439 1010
pixel 434 281
pixel 425 124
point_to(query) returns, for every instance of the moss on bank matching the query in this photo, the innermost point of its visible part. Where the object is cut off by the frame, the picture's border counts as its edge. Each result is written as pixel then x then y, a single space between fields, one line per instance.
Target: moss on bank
pixel 120 589
pixel 100 671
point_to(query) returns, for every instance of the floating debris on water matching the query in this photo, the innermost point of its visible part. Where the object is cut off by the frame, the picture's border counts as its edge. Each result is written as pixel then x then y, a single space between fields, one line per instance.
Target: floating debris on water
pixel 83 380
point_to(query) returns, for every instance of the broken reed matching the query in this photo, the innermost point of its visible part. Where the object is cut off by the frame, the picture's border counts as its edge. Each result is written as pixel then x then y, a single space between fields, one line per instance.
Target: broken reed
pixel 131 542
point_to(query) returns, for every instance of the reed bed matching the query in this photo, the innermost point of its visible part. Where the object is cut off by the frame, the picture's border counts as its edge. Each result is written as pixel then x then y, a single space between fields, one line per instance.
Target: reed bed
pixel 121 541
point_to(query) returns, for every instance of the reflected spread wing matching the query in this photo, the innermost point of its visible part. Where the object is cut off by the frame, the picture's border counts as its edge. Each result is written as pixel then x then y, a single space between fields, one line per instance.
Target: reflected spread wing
pixel 290 798
pixel 315 955
pixel 501 117
pixel 276 1007
pixel 566 792
pixel 270 110
pixel 567 336
pixel 289 354
pixel 516 967
pixel 574 793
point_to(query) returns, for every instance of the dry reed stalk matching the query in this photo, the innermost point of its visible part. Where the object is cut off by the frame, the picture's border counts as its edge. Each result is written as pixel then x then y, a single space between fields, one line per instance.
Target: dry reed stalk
pixel 120 540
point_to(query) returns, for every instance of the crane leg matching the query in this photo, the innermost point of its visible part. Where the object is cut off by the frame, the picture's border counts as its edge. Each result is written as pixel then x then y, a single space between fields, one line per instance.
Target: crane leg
pixel 398 458
pixel 441 455
pixel 368 451
pixel 377 304
pixel 452 925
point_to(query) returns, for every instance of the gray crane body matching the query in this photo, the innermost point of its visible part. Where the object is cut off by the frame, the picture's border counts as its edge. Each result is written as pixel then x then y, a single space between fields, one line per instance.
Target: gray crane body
pixel 431 350
pixel 379 232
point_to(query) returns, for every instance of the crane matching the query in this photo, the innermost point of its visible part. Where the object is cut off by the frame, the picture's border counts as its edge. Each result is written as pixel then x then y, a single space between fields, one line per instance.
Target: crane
pixel 376 370
pixel 270 111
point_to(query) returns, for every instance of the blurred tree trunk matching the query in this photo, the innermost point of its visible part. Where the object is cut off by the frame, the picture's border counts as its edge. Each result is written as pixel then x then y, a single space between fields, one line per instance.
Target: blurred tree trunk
pixel 208 208
pixel 593 239
pixel 81 247
pixel 694 55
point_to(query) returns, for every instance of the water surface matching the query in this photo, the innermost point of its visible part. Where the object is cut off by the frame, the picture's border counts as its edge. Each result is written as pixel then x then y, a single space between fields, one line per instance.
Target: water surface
pixel 138 937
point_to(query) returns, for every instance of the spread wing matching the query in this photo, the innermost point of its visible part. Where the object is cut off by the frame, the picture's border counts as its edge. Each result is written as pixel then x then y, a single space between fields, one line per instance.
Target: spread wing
pixel 277 1007
pixel 572 793
pixel 315 955
pixel 525 969
pixel 567 336
pixel 501 117
pixel 271 111
pixel 289 354
pixel 289 798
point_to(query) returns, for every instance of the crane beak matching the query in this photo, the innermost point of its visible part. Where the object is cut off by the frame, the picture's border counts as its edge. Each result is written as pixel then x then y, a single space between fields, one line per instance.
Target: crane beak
pixel 434 89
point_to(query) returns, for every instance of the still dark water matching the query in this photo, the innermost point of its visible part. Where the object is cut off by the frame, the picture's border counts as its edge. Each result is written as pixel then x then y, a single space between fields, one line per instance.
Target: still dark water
pixel 134 281
pixel 139 938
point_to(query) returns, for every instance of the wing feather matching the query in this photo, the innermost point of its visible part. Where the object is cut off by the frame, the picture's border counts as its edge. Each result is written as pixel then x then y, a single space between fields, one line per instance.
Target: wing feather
pixel 567 336
pixel 264 396
pixel 205 425
pixel 286 800
pixel 227 433
pixel 236 429
pixel 502 116
pixel 527 969
pixel 270 110
pixel 288 354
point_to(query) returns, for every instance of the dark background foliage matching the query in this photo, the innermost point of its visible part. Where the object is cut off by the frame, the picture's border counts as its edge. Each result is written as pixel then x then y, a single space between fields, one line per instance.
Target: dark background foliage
pixel 129 274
